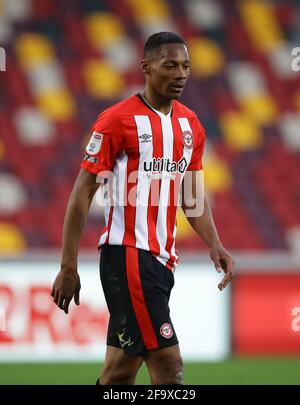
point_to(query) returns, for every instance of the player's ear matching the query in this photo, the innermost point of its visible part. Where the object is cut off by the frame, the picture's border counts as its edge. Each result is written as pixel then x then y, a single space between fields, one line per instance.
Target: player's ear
pixel 145 67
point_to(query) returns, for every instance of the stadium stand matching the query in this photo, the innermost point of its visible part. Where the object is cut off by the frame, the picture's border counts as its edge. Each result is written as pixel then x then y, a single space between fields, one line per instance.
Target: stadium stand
pixel 68 60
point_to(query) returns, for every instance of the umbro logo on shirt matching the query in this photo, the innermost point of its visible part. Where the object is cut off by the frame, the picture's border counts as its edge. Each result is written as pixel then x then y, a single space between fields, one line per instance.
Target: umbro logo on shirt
pixel 145 138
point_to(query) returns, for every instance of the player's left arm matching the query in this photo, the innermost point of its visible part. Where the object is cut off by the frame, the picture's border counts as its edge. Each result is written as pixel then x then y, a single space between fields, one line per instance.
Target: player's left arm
pixel 198 212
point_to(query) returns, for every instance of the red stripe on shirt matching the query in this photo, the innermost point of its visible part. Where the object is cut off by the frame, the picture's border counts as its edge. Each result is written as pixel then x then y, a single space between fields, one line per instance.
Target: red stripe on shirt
pixel 109 224
pixel 154 193
pixel 138 299
pixel 110 191
pixel 131 188
pixel 174 189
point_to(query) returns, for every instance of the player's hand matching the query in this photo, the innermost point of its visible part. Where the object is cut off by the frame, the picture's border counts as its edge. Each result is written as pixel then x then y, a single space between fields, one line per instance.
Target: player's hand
pixel 65 287
pixel 223 261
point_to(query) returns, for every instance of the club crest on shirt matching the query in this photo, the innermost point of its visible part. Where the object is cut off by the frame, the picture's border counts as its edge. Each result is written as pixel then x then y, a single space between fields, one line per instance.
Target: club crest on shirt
pixel 94 145
pixel 188 140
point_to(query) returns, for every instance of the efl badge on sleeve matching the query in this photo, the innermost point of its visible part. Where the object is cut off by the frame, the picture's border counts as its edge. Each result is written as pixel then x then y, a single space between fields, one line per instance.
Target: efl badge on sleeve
pixel 94 145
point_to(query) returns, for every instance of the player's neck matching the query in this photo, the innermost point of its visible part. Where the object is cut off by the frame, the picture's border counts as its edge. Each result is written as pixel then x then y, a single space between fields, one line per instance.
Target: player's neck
pixel 159 103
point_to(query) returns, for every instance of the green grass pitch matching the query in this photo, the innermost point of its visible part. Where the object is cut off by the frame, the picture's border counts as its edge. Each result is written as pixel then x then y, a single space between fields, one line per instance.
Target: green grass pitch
pixel 232 371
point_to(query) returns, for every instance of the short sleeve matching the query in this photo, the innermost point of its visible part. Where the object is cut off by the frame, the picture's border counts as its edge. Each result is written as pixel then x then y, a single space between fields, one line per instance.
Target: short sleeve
pixel 199 142
pixel 104 146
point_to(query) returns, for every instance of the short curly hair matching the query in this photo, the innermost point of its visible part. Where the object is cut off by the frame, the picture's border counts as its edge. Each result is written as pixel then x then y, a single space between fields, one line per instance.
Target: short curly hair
pixel 155 41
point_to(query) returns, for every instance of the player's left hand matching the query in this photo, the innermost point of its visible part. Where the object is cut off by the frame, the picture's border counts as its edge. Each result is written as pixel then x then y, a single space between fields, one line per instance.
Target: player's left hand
pixel 223 261
pixel 65 287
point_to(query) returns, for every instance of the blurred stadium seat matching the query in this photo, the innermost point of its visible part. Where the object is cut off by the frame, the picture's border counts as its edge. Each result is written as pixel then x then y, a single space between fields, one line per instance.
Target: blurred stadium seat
pixel 68 60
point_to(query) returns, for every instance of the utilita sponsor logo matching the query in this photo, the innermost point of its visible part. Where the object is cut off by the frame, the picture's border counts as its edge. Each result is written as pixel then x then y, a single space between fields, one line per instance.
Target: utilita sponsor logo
pixel 165 165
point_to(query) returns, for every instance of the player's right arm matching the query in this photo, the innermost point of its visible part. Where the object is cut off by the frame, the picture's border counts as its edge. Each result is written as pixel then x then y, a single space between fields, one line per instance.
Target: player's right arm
pixel 198 212
pixel 100 154
pixel 67 282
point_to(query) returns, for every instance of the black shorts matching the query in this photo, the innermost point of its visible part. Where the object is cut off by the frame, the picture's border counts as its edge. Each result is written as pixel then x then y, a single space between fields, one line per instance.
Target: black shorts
pixel 137 289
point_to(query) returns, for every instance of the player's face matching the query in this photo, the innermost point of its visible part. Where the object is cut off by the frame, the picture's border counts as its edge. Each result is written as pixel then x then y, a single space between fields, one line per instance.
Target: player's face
pixel 169 71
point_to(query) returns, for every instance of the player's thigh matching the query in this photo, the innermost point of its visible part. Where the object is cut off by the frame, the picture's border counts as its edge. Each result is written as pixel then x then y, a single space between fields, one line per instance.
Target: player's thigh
pixel 156 283
pixel 137 289
pixel 165 365
pixel 123 329
pixel 117 363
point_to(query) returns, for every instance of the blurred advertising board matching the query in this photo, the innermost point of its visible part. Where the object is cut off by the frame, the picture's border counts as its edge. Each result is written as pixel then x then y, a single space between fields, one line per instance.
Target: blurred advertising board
pixel 266 314
pixel 36 330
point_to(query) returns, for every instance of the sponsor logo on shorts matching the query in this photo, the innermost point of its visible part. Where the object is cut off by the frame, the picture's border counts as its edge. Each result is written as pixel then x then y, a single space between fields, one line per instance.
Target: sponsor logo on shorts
pixel 124 341
pixel 166 330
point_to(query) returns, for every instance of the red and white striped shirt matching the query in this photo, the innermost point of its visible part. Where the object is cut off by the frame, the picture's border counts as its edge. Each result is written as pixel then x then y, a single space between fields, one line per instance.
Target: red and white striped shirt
pixel 147 154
